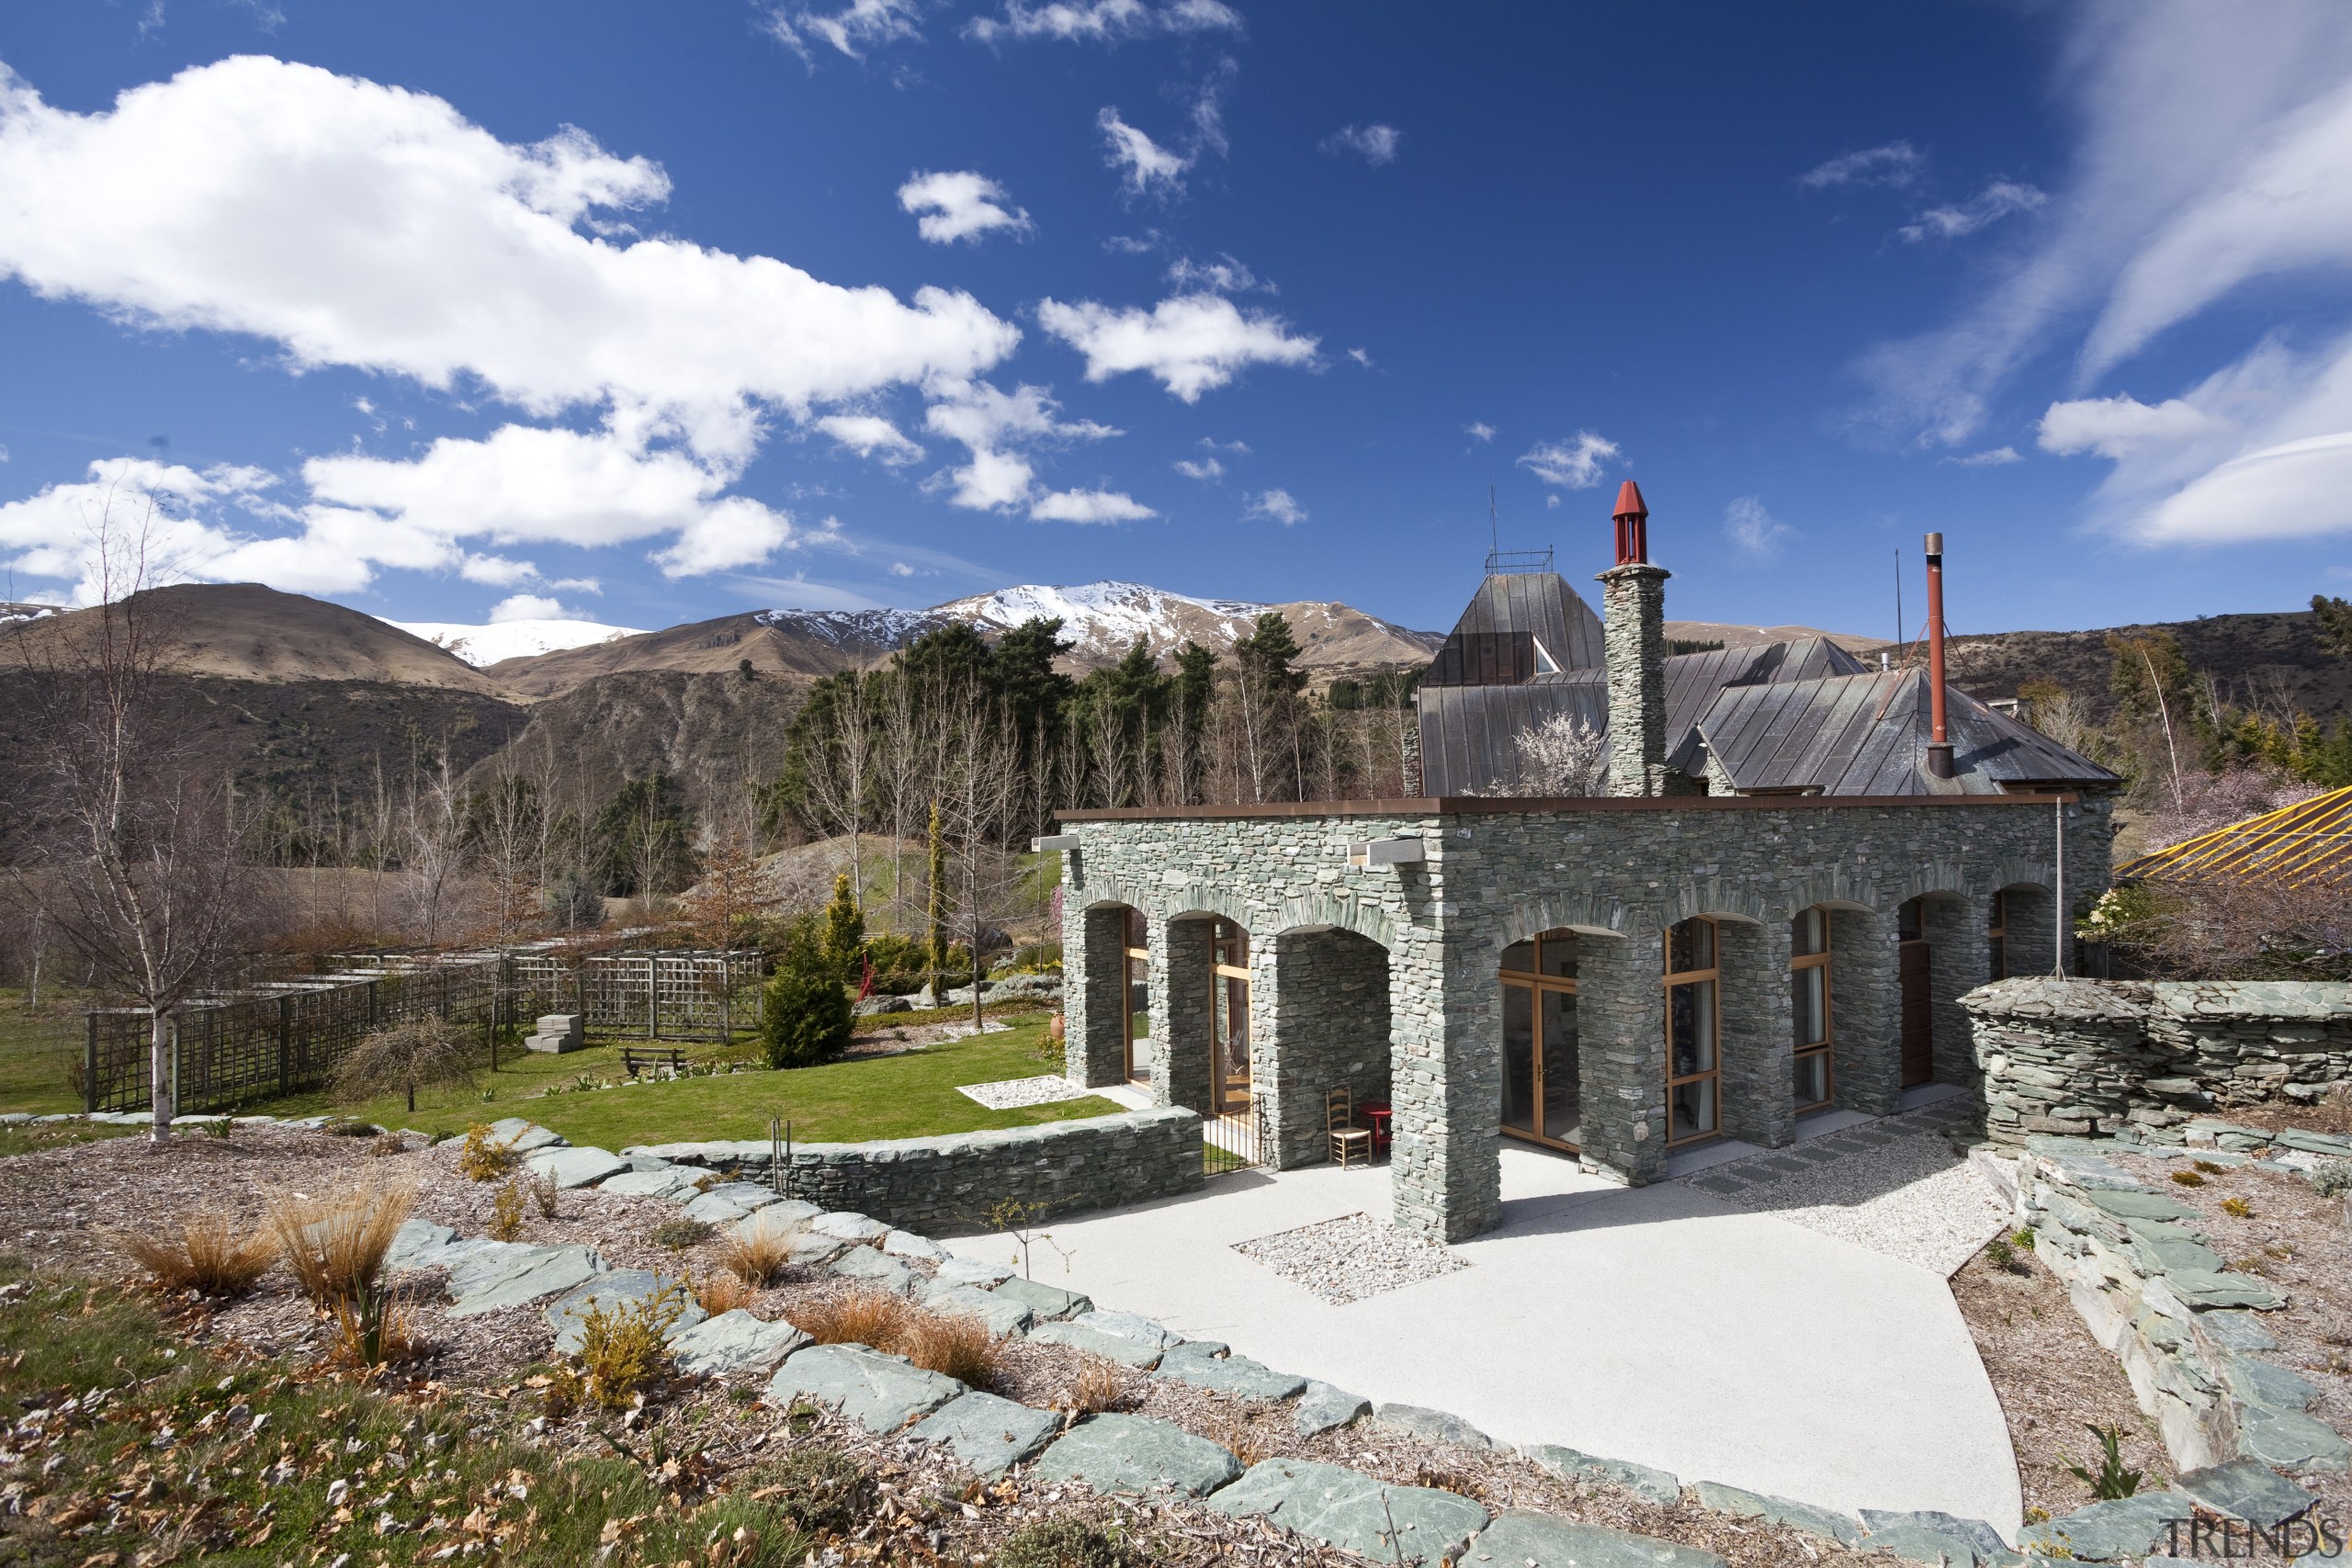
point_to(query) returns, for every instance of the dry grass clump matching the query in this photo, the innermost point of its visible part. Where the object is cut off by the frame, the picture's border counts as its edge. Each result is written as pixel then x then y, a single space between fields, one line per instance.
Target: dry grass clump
pixel 756 1254
pixel 854 1317
pixel 1098 1387
pixel 484 1157
pixel 336 1246
pixel 960 1346
pixel 1247 1443
pixel 206 1253
pixel 719 1295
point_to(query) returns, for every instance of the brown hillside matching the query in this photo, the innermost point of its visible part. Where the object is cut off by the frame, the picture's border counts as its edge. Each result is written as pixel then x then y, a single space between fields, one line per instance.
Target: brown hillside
pixel 1732 635
pixel 775 644
pixel 242 631
pixel 2274 659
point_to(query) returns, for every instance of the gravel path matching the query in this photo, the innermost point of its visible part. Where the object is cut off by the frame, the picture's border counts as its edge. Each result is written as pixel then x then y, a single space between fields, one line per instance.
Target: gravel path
pixel 1350 1257
pixel 1011 1094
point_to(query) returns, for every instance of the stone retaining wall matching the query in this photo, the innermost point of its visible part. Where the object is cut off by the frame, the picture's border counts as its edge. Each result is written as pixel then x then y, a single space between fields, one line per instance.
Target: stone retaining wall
pixel 2095 1057
pixel 946 1186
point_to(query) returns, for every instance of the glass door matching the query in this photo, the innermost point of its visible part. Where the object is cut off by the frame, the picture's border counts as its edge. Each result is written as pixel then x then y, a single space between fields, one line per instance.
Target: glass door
pixel 1693 1025
pixel 1134 970
pixel 1540 1090
pixel 1229 1016
pixel 1809 1010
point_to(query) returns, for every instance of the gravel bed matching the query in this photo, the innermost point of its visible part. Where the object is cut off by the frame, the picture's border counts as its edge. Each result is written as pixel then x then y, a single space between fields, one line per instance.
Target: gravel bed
pixel 1014 1093
pixel 1912 1197
pixel 1350 1257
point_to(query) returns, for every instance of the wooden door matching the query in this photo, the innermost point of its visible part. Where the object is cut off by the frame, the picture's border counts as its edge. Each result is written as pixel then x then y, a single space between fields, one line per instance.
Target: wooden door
pixel 1918 1026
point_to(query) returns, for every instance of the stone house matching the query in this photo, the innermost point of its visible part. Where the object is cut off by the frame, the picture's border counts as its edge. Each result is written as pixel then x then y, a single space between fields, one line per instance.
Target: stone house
pixel 1799 868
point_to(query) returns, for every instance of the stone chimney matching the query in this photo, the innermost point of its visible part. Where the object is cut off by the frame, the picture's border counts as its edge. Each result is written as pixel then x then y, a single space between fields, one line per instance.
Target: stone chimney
pixel 1632 598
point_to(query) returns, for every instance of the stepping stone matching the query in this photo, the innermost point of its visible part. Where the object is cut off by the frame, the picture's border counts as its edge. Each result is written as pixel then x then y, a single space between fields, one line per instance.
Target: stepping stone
pixel 669 1181
pixel 972 1272
pixel 2110 1531
pixel 1046 1300
pixel 637 1161
pixel 1915 1543
pixel 733 1342
pixel 989 1434
pixel 713 1209
pixel 1128 1325
pixel 2290 1440
pixel 1322 1407
pixel 2256 1381
pixel 524 1137
pixel 1434 1425
pixel 1842 1527
pixel 1519 1539
pixel 2174 1254
pixel 1002 1315
pixel 576 1166
pixel 747 1195
pixel 1656 1485
pixel 906 1244
pixel 1111 1347
pixel 1351 1510
pixel 1236 1375
pixel 881 1393
pixel 613 1292
pixel 1722 1186
pixel 849 1225
pixel 513 1280
pixel 864 1264
pixel 2309 1143
pixel 2245 1490
pixel 1924 1534
pixel 414 1243
pixel 1136 1454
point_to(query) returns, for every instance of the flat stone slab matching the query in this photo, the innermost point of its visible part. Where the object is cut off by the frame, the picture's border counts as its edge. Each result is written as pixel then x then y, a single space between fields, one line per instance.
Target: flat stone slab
pixel 2240 1331
pixel 713 1209
pixel 1111 1347
pixel 863 1263
pixel 881 1393
pixel 1136 1454
pixel 1934 1548
pixel 1919 1531
pixel 2111 1531
pixel 1046 1300
pixel 1434 1425
pixel 848 1226
pixel 529 1274
pixel 1001 1314
pixel 1236 1375
pixel 1352 1511
pixel 1321 1407
pixel 2175 1254
pixel 668 1181
pixel 618 1289
pixel 2200 1289
pixel 1843 1527
pixel 2245 1490
pixel 583 1167
pixel 733 1342
pixel 974 1272
pixel 2291 1441
pixel 906 1244
pixel 524 1137
pixel 1539 1540
pixel 414 1243
pixel 1130 1325
pixel 1658 1485
pixel 747 1195
pixel 2257 1382
pixel 989 1434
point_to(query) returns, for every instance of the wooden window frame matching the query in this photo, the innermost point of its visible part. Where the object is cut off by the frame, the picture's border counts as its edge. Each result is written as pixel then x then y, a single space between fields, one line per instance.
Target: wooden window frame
pixel 1685 978
pixel 1220 974
pixel 1824 1047
pixel 1535 983
pixel 1997 935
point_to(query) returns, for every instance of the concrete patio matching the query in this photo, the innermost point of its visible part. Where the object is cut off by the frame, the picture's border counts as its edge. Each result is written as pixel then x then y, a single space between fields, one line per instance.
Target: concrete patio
pixel 1660 1324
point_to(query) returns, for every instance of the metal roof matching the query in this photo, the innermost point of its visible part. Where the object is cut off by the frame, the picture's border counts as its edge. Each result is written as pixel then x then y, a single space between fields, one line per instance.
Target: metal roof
pixel 1495 642
pixel 2310 841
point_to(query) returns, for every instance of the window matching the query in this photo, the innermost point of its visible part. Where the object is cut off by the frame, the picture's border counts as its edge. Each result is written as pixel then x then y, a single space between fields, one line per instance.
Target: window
pixel 1540 1094
pixel 1693 1025
pixel 1135 971
pixel 1229 1016
pixel 1545 664
pixel 1809 1012
pixel 1997 935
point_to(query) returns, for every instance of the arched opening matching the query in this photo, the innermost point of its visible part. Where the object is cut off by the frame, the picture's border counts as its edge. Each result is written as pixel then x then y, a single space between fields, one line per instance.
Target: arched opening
pixel 1541 1099
pixel 1693 1031
pixel 1915 974
pixel 1228 1017
pixel 1811 1017
pixel 1997 935
pixel 1324 1046
pixel 1135 991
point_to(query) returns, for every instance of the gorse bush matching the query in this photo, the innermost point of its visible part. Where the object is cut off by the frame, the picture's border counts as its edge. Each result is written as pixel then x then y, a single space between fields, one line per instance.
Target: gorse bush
pixel 206 1253
pixel 806 1014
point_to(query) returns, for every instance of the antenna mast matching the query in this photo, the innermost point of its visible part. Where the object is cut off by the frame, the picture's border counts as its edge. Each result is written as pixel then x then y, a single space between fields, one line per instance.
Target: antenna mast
pixel 1898 595
pixel 1494 530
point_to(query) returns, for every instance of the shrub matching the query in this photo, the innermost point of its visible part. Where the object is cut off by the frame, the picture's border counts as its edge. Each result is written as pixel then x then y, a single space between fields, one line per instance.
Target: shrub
pixel 336 1247
pixel 2111 1482
pixel 206 1253
pixel 506 1212
pixel 844 938
pixel 544 1191
pixel 2209 1169
pixel 805 1016
pixel 2187 1178
pixel 2332 1179
pixel 373 1331
pixel 426 1051
pixel 2237 1208
pixel 854 1317
pixel 621 1348
pixel 1065 1541
pixel 680 1235
pixel 757 1254
pixel 485 1157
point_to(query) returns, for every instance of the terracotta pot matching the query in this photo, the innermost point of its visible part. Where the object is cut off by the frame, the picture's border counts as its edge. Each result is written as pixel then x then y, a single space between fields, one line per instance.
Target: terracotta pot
pixel 1054 1027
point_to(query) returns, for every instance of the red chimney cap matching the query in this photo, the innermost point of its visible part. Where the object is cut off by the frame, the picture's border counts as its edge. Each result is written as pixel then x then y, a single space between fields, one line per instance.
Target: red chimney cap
pixel 1629 502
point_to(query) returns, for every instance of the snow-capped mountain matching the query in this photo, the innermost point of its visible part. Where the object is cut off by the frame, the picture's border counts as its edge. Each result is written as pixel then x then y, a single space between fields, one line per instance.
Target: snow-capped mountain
pixel 855 629
pixel 485 644
pixel 1104 619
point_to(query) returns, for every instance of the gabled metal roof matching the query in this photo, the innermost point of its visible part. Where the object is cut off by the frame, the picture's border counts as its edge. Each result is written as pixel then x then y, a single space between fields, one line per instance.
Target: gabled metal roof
pixel 1513 615
pixel 2309 843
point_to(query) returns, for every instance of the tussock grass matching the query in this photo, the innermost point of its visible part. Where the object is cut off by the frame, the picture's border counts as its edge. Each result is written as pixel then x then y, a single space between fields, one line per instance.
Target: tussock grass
pixel 336 1246
pixel 1098 1387
pixel 719 1295
pixel 208 1254
pixel 756 1254
pixel 960 1346
pixel 854 1317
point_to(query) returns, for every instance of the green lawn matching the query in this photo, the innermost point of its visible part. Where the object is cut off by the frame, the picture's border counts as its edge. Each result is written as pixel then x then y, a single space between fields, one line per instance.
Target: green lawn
pixel 35 1051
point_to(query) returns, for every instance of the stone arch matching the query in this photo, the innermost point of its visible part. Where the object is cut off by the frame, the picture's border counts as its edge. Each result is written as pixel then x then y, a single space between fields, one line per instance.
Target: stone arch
pixel 1585 914
pixel 1321 1006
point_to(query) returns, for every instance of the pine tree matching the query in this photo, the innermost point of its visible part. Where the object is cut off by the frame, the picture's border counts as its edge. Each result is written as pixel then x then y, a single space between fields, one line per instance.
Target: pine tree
pixel 844 940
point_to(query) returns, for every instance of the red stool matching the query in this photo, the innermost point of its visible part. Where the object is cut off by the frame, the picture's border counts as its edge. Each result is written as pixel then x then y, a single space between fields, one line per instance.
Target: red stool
pixel 1375 1114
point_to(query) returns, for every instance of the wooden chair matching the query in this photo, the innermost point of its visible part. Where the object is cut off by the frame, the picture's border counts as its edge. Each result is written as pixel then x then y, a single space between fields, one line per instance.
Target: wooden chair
pixel 1340 1124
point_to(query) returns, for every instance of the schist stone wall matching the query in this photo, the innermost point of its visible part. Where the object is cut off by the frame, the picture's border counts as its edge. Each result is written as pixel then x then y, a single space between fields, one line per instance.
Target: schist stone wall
pixel 1619 873
pixel 2142 1058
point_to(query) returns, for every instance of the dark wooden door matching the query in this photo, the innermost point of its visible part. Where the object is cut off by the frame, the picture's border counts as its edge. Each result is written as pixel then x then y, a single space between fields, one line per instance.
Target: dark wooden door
pixel 1919 1028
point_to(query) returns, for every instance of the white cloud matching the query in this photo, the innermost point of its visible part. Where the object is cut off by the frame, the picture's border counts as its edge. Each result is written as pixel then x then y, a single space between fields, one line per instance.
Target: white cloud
pixel 1479 431
pixel 1211 443
pixel 1992 458
pixel 2114 427
pixel 529 607
pixel 960 206
pixel 853 30
pixel 1207 471
pixel 870 435
pixel 1992 203
pixel 1278 504
pixel 900 569
pixel 1222 276
pixel 1361 356
pixel 1087 506
pixel 1754 531
pixel 194 522
pixel 497 571
pixel 1575 463
pixel 991 424
pixel 1190 343
pixel 1147 168
pixel 1896 164
pixel 2296 490
pixel 1552 500
pixel 1375 144
pixel 1103 21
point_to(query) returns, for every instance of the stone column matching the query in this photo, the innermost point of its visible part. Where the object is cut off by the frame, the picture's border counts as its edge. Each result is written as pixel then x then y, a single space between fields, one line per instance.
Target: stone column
pixel 1621 1024
pixel 1094 1009
pixel 1321 1001
pixel 2063 1057
pixel 1180 972
pixel 1633 599
pixel 1445 1178
pixel 1865 1012
pixel 1960 959
pixel 2032 937
pixel 1760 1098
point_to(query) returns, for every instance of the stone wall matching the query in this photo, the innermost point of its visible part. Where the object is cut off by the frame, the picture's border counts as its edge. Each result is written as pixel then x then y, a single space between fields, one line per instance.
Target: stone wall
pixel 2144 1058
pixel 946 1186
pixel 1324 1026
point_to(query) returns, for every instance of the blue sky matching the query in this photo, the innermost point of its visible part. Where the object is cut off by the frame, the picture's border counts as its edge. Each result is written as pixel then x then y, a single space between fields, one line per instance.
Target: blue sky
pixel 433 309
